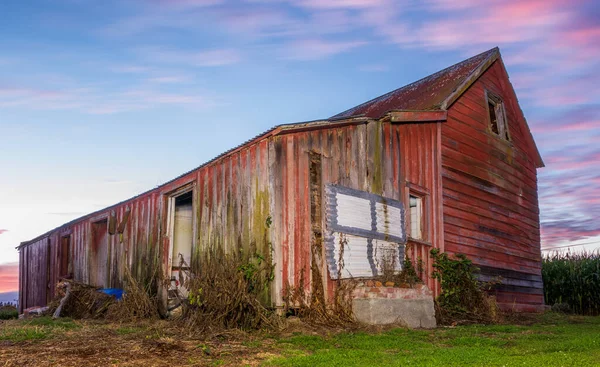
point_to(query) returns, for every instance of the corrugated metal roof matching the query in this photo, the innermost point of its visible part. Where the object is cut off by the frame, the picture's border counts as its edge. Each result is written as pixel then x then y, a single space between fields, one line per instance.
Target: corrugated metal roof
pixel 428 93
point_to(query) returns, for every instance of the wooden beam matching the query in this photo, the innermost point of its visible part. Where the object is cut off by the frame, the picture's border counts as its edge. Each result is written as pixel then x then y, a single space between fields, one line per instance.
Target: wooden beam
pixel 418 116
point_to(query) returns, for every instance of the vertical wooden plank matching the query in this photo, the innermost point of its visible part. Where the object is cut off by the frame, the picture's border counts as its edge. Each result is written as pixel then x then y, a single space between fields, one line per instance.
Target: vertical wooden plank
pixel 275 204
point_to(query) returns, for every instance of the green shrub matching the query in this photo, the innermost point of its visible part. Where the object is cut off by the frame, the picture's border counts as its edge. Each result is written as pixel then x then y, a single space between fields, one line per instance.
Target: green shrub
pixel 574 280
pixel 8 312
pixel 463 298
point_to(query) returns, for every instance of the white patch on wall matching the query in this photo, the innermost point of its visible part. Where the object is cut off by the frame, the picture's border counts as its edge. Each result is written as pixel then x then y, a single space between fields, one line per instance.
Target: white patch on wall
pixel 362 230
pixel 353 212
pixel 355 252
pixel 389 220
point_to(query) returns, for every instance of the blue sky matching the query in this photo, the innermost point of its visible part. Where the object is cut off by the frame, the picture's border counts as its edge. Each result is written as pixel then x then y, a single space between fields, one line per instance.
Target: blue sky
pixel 102 100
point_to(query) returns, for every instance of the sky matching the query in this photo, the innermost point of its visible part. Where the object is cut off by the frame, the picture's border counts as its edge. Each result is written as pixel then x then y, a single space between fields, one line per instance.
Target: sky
pixel 101 100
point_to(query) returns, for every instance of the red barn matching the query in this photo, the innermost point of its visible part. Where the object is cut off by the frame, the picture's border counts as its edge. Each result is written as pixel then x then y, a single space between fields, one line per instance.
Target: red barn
pixel 446 162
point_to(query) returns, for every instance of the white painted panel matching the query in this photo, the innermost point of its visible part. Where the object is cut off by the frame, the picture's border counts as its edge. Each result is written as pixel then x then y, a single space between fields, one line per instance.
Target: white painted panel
pixel 386 251
pixel 353 212
pixel 355 260
pixel 372 229
pixel 182 234
pixel 389 220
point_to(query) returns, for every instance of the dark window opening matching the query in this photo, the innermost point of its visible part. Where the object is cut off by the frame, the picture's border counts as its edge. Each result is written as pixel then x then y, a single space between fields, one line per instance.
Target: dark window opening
pixel 185 199
pixel 65 256
pixel 493 119
pixel 498 123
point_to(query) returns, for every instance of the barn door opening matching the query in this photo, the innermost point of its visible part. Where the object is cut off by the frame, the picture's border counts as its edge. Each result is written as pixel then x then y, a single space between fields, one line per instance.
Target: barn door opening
pixel 181 229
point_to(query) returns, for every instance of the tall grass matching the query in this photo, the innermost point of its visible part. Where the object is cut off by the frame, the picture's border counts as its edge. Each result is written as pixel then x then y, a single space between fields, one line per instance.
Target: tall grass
pixel 573 279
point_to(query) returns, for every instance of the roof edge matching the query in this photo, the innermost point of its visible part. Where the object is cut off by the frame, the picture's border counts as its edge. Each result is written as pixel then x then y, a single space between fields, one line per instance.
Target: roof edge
pixel 462 87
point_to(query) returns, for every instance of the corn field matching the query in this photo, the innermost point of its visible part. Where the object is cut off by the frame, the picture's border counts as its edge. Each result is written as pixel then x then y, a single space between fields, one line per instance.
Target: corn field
pixel 572 281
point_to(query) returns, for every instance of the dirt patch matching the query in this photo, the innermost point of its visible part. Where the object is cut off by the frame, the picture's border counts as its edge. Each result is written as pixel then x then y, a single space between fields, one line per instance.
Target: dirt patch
pixel 150 344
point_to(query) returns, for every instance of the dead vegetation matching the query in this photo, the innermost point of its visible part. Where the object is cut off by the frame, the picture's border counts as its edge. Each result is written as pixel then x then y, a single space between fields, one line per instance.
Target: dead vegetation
pixel 225 291
pixel 87 302
pixel 313 305
pixel 139 302
pixel 314 309
pixel 84 302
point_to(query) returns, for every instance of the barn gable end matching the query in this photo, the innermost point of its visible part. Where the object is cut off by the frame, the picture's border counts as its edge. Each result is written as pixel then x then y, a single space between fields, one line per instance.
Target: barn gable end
pixel 491 210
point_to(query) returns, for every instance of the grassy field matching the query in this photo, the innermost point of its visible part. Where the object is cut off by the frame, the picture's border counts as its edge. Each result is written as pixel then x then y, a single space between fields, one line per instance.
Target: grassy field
pixel 547 340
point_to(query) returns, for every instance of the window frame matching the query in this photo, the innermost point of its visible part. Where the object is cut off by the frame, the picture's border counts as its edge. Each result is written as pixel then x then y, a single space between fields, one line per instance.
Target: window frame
pixel 494 99
pixel 423 194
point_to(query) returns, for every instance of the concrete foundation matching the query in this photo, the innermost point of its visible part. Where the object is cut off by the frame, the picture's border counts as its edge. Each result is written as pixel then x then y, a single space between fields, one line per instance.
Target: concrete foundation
pixel 410 307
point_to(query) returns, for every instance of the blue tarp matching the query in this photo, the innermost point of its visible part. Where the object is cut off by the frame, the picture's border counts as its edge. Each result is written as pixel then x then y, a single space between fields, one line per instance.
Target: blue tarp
pixel 115 292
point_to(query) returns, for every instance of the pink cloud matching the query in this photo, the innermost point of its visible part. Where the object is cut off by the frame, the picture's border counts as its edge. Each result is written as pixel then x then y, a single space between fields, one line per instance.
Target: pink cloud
pixel 565 231
pixel 9 277
pixel 577 162
pixel 336 4
pixel 3 231
pixel 186 4
pixel 580 126
pixel 585 36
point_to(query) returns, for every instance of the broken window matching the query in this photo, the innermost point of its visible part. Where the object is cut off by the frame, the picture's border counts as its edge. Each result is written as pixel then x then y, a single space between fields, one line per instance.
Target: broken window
pixel 416 217
pixel 497 114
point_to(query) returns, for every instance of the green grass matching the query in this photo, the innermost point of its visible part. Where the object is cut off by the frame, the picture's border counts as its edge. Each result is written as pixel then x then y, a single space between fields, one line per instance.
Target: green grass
pixel 555 341
pixel 23 334
pixel 35 329
pixel 552 340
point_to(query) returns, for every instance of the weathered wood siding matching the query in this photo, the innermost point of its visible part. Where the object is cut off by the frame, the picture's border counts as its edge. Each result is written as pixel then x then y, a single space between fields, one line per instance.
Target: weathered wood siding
pixel 231 206
pixel 265 196
pixel 370 156
pixel 490 196
pixel 421 170
pixel 35 280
